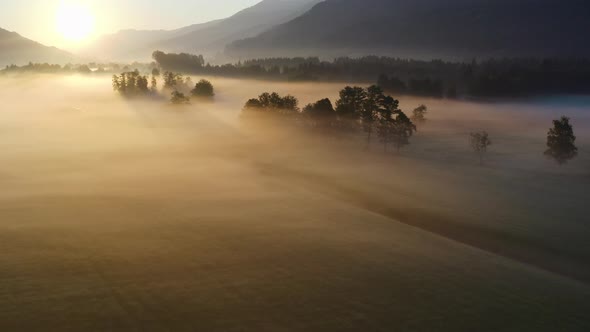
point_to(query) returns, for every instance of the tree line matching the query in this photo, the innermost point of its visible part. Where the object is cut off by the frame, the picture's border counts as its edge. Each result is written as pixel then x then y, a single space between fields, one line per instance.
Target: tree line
pixel 89 68
pixel 487 78
pixel 375 114
pixel 518 77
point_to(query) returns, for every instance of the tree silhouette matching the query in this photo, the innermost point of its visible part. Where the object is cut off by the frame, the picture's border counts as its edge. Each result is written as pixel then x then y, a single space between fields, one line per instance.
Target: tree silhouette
pixel 396 128
pixel 560 141
pixel 274 103
pixel 351 102
pixel 172 80
pixel 253 104
pixel 419 114
pixel 349 106
pixel 179 98
pixel 479 143
pixel 182 62
pixel 320 114
pixel 371 107
pixel 366 107
pixel 203 89
pixel 402 130
pixel 290 104
pixel 131 84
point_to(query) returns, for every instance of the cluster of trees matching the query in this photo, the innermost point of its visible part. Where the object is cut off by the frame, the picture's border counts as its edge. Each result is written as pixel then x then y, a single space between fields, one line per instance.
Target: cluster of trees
pixel 488 78
pixel 132 84
pixel 182 86
pixel 176 81
pixel 182 62
pixel 357 110
pixel 273 103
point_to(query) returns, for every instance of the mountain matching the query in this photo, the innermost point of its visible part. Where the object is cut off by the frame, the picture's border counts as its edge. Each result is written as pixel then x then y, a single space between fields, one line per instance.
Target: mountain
pixel 18 50
pixel 247 23
pixel 429 29
pixel 208 38
pixel 129 45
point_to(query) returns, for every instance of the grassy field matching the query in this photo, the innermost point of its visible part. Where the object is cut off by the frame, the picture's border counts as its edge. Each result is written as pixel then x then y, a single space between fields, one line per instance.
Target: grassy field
pixel 131 216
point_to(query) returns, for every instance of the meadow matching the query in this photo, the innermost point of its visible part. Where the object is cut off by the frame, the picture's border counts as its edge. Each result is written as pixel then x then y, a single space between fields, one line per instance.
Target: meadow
pixel 131 215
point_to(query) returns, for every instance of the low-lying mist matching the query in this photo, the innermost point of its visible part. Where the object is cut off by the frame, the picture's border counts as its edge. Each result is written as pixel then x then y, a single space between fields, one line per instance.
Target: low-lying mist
pixel 192 209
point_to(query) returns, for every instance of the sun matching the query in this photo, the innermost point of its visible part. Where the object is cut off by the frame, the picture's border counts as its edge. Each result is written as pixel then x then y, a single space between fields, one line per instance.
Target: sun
pixel 74 21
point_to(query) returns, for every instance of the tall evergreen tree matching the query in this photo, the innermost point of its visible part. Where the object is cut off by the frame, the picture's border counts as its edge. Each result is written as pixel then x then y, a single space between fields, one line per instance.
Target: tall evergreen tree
pixel 561 141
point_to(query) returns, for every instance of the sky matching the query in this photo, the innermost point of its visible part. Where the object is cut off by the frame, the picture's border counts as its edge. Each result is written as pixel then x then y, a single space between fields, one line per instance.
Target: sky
pixel 36 19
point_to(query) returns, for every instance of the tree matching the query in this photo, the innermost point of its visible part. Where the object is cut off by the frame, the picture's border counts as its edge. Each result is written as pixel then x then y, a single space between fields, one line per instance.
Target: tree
pixel 351 102
pixel 156 72
pixel 320 109
pixel 376 106
pixel 203 89
pixel 561 141
pixel 349 105
pixel 172 80
pixel 179 98
pixel 396 128
pixel 479 143
pixel 401 131
pixel 419 114
pixel 370 109
pixel 253 104
pixel 290 104
pixel 154 84
pixel 320 114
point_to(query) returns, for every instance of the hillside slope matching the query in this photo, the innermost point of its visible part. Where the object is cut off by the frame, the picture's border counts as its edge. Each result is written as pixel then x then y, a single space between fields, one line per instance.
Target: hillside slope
pixel 134 44
pixel 18 50
pixel 207 38
pixel 427 28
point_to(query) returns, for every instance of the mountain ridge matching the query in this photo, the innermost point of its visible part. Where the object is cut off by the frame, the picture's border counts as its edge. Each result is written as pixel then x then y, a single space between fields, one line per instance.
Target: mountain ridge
pixel 18 50
pixel 427 29
pixel 209 38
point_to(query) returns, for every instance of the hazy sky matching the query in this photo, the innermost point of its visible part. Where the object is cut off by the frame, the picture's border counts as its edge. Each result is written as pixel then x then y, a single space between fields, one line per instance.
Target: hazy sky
pixel 36 19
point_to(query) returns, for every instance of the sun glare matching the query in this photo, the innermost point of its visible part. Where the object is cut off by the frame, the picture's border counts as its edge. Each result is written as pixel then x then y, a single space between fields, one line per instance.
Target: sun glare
pixel 75 22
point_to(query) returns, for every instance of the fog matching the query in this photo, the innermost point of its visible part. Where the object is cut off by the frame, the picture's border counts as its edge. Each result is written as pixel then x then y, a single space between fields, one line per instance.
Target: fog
pixel 139 215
